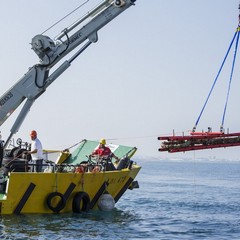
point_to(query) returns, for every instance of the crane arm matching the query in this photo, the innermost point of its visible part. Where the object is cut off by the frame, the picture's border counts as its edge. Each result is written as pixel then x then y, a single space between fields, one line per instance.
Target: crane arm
pixel 50 52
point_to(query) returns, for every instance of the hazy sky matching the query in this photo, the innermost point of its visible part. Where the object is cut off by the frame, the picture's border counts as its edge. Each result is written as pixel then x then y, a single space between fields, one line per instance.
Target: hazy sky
pixel 149 73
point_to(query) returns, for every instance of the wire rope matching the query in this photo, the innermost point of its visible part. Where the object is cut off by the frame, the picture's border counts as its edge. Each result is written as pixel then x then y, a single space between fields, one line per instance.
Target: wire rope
pixel 215 80
pixel 230 80
pixel 66 16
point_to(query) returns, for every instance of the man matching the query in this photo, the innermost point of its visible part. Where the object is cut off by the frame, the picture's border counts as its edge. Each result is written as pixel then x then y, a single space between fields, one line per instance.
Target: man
pixel 103 151
pixel 36 152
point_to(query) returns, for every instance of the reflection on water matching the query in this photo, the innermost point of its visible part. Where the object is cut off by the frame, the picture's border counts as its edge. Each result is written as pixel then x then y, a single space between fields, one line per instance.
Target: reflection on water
pixel 94 224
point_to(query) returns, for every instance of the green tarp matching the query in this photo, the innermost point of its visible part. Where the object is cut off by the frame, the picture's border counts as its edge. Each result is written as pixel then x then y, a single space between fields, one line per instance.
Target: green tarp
pixel 87 147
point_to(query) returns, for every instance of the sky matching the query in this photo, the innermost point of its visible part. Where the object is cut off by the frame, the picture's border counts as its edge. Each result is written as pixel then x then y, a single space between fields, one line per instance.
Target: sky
pixel 148 75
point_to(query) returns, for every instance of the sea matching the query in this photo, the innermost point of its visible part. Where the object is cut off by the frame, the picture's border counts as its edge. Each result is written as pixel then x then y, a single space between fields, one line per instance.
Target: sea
pixel 176 199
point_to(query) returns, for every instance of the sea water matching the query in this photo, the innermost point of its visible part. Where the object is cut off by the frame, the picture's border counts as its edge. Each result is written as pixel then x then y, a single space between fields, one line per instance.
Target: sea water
pixel 176 200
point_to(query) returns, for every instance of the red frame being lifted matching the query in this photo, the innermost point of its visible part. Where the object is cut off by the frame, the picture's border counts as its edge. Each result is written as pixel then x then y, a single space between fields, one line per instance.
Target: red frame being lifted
pixel 206 140
pixel 199 141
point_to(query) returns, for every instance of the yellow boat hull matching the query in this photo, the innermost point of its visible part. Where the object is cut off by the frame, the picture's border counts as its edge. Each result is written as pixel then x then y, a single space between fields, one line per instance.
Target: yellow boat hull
pixel 28 192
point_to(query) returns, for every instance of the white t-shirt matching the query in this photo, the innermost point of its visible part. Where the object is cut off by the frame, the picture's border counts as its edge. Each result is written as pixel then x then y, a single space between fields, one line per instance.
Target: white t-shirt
pixel 36 144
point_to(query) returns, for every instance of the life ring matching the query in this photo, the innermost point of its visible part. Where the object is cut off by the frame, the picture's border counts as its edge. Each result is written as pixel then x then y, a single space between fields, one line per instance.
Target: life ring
pixel 60 204
pixel 81 202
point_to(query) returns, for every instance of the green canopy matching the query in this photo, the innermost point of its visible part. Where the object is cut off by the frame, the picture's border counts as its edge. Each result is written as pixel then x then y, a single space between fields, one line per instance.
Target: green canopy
pixel 86 147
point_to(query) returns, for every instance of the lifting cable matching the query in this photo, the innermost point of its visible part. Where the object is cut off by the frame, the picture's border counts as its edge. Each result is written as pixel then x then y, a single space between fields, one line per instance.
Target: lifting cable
pixel 65 16
pixel 237 33
pixel 230 80
pixel 194 128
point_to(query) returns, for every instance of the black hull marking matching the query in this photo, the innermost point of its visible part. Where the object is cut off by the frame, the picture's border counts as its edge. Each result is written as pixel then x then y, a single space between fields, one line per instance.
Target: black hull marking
pixel 123 190
pixel 98 194
pixel 24 198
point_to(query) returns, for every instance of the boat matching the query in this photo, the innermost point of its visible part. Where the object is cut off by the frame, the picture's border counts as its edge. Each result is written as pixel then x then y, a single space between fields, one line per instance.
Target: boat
pixel 73 181
pixel 68 184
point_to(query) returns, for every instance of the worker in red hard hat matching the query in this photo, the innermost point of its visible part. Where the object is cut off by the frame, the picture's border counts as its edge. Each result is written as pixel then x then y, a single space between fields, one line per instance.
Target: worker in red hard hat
pixel 33 133
pixel 36 152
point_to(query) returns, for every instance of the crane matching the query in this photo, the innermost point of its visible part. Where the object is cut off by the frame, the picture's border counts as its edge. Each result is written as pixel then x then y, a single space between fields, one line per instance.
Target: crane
pixel 39 77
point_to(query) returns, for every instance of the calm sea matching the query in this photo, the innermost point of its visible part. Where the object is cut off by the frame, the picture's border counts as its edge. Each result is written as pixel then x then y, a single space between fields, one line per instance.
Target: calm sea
pixel 176 200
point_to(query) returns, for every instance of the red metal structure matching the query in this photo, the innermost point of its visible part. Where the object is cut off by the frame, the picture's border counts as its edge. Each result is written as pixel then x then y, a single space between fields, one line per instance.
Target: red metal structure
pixel 199 141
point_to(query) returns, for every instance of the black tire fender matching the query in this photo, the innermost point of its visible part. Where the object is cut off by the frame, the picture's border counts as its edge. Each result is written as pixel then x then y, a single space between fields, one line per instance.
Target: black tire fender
pixel 61 203
pixel 81 202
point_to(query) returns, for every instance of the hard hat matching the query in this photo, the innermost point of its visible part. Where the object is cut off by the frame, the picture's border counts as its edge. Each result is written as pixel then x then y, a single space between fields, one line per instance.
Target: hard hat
pixel 33 133
pixel 103 141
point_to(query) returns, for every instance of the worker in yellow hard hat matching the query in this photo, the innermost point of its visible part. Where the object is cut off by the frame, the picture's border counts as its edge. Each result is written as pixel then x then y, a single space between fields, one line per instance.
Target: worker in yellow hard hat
pixel 102 141
pixel 104 151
